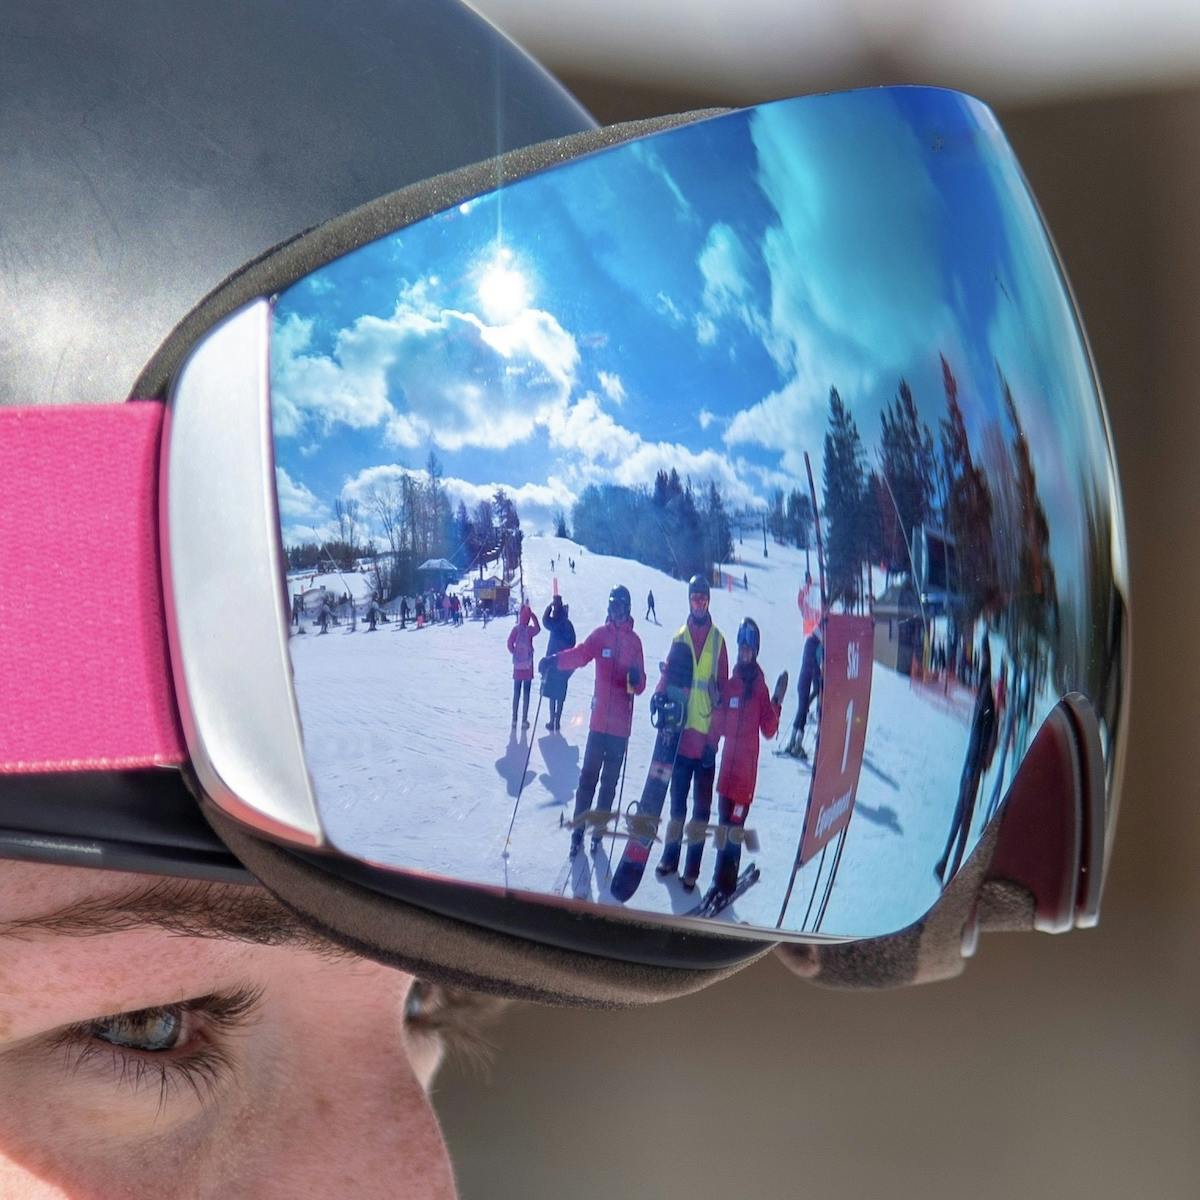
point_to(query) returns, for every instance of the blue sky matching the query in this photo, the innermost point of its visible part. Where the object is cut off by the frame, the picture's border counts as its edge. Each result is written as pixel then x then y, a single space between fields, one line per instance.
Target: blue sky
pixel 687 301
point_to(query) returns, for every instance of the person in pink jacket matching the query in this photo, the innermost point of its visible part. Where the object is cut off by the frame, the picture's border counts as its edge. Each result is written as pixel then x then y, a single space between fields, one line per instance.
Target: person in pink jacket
pixel 520 646
pixel 746 713
pixel 620 676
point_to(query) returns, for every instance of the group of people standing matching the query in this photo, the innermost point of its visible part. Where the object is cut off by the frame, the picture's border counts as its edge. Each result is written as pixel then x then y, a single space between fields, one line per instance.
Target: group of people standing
pixel 721 703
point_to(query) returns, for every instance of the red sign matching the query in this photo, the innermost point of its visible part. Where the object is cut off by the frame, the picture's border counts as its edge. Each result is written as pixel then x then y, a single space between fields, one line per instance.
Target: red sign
pixel 842 733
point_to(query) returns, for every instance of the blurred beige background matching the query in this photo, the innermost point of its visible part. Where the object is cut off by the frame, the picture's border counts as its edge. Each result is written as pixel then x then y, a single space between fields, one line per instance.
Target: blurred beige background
pixel 1054 1067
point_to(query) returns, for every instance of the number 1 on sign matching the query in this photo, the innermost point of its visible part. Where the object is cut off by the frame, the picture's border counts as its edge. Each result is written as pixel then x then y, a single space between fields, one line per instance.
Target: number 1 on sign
pixel 849 727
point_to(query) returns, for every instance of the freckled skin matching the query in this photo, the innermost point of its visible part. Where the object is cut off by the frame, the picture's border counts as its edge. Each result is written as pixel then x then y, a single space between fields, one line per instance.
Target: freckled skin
pixel 325 1094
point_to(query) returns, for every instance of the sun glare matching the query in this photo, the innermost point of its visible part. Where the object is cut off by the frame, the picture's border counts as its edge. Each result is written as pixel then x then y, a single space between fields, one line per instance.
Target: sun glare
pixel 503 291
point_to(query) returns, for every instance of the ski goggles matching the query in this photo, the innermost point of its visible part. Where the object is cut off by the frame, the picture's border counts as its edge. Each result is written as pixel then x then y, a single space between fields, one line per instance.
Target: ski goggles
pixel 825 336
pixel 748 635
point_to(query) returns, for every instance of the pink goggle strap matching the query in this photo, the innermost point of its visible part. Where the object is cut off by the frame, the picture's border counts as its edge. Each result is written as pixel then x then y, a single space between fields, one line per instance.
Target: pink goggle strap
pixel 85 676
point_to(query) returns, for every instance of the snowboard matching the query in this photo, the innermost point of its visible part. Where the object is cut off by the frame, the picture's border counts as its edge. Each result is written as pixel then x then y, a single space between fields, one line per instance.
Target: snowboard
pixel 714 903
pixel 668 712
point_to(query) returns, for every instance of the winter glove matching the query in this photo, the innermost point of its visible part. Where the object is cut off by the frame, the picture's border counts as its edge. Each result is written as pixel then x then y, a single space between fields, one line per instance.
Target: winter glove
pixel 708 760
pixel 635 678
pixel 546 663
pixel 781 686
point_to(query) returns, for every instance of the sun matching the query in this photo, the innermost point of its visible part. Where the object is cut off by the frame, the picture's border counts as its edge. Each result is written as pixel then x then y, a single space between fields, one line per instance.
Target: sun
pixel 503 291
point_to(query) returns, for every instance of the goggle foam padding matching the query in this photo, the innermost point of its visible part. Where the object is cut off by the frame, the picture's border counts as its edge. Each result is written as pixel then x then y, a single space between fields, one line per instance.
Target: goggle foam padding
pixel 452 952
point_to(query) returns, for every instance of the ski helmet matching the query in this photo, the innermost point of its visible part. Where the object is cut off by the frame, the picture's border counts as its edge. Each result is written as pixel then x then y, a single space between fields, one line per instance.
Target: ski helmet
pixel 748 635
pixel 620 603
pixel 698 586
pixel 240 132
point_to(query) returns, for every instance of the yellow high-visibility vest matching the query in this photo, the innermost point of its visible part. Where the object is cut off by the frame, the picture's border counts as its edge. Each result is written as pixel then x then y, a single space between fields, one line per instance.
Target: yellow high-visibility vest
pixel 704 671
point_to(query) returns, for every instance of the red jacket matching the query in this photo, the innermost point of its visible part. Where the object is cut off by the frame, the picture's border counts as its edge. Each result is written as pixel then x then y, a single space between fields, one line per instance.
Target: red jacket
pixel 520 643
pixel 615 648
pixel 740 720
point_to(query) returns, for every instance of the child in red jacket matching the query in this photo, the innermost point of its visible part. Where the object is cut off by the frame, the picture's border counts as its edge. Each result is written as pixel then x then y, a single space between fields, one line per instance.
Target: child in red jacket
pixel 746 712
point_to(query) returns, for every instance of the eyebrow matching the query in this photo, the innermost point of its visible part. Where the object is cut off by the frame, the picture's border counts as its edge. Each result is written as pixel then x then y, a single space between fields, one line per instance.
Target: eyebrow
pixel 186 908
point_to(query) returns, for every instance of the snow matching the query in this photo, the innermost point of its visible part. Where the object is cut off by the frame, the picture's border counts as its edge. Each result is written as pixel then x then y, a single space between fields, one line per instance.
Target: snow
pixel 409 746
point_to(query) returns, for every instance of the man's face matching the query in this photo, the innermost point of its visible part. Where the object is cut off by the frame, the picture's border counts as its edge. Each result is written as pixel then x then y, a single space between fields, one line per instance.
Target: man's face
pixel 138 1060
pixel 699 604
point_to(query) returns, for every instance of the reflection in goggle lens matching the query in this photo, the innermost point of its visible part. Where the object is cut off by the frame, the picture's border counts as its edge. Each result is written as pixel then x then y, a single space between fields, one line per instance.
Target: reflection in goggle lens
pixel 847 390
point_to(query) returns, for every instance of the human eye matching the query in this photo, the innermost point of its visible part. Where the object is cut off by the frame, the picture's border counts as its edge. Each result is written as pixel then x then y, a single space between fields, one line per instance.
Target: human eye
pixel 454 1020
pixel 167 1049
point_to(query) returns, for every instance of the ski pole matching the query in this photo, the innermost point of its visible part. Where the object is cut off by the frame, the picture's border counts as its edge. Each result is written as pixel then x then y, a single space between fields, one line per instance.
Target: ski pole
pixel 524 770
pixel 612 846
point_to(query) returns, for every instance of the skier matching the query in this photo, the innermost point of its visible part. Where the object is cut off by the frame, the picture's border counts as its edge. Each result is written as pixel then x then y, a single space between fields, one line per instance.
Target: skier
pixel 520 646
pixel 620 676
pixel 403 611
pixel 650 607
pixel 562 637
pixel 808 688
pixel 374 612
pixel 696 759
pixel 746 712
pixel 327 612
pixel 981 746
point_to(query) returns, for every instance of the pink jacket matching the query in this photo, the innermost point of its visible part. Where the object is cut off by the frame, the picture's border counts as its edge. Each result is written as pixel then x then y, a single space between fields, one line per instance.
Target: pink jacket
pixel 520 642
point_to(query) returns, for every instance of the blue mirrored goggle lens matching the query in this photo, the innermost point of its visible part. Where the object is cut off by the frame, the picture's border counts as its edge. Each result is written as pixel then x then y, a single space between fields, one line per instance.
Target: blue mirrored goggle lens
pixel 618 372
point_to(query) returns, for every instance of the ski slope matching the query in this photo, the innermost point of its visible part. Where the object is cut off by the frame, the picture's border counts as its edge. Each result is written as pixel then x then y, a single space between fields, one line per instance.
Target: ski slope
pixel 408 741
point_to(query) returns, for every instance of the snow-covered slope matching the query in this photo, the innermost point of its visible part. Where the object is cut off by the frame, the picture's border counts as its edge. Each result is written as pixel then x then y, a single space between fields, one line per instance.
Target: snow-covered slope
pixel 407 733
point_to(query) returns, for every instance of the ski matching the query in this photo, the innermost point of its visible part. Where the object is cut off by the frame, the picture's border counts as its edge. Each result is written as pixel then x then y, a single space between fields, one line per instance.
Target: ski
pixel 805 762
pixel 714 903
pixel 578 873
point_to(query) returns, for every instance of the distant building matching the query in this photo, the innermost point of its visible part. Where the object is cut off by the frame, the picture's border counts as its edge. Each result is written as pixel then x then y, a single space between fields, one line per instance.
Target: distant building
pixel 899 628
pixel 935 568
pixel 437 573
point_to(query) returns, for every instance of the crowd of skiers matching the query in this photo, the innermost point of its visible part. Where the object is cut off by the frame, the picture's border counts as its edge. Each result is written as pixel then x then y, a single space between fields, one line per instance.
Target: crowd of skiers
pixel 721 702
pixel 428 608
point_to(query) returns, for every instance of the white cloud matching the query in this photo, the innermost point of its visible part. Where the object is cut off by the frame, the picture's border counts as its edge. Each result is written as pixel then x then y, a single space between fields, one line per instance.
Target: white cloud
pixel 588 430
pixel 426 374
pixel 706 418
pixel 646 155
pixel 668 308
pixel 295 500
pixel 612 387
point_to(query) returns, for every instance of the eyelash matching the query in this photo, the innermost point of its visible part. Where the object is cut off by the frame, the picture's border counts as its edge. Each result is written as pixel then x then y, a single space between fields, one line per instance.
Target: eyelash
pixel 199 1062
pixel 456 1018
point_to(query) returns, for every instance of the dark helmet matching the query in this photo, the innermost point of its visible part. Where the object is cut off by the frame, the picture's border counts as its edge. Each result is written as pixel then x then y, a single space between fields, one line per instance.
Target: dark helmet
pixel 123 205
pixel 698 586
pixel 619 603
pixel 748 635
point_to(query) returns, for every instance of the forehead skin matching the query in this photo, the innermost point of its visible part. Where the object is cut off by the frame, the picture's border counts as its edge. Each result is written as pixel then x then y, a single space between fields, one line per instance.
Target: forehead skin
pixel 47 980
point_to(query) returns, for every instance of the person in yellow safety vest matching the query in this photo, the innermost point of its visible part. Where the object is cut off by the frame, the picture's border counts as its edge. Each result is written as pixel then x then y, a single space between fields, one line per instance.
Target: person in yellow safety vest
pixel 696 756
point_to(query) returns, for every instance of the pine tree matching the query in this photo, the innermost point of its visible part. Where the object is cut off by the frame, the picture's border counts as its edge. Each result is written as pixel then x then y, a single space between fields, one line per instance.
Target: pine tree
pixel 968 516
pixel 908 472
pixel 844 499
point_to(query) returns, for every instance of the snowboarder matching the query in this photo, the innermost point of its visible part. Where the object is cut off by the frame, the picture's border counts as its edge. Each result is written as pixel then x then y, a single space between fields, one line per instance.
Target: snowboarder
pixel 981 746
pixel 746 712
pixel 562 637
pixel 808 688
pixel 696 758
pixel 650 607
pixel 520 646
pixel 620 676
pixel 746 580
